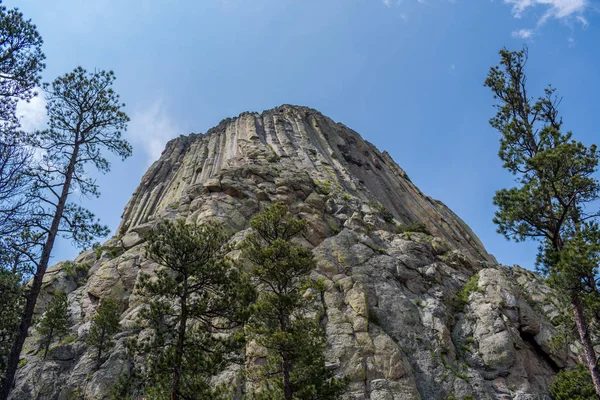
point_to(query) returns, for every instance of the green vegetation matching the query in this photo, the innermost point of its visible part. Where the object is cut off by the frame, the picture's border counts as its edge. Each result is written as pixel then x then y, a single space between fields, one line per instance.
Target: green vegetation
pixel 281 320
pixel 195 293
pixel 417 227
pixel 323 187
pixel 472 286
pixel 380 210
pixel 85 120
pixel 77 271
pixel 105 325
pixel 69 339
pixel 273 157
pixel 555 192
pixel 21 65
pixel 573 384
pixel 55 321
pixel 114 253
pixel 11 304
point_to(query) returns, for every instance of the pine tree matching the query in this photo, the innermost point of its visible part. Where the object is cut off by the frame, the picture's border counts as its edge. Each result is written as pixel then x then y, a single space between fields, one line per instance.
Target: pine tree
pixel 556 184
pixel 11 303
pixel 55 321
pixel 105 325
pixel 21 63
pixel 85 119
pixel 573 384
pixel 284 319
pixel 194 301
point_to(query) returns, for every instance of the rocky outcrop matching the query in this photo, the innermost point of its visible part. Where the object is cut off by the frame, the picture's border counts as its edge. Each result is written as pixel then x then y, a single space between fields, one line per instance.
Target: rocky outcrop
pixel 400 324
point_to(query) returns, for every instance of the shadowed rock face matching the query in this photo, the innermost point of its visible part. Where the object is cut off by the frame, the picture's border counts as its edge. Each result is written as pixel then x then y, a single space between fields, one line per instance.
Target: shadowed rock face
pixel 395 326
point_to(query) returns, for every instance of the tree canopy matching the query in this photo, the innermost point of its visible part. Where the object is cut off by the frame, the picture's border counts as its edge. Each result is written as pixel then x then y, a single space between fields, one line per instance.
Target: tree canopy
pixel 554 198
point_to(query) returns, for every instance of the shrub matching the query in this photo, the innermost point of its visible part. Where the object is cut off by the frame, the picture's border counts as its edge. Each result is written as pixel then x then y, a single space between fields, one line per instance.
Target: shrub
pixel 113 253
pixel 573 384
pixel 380 210
pixel 323 187
pixel 412 227
pixel 471 286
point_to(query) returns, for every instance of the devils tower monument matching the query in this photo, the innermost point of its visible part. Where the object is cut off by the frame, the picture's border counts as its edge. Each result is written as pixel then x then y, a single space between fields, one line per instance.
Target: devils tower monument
pixel 399 322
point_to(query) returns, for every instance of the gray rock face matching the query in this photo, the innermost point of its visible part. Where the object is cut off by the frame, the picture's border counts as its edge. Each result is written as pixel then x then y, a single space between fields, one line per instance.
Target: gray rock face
pixel 395 325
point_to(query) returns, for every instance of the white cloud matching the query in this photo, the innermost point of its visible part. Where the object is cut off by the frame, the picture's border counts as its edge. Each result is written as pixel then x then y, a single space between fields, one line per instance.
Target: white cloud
pixel 523 34
pixel 390 3
pixel 566 11
pixel 150 129
pixel 32 115
pixel 582 20
pixel 558 9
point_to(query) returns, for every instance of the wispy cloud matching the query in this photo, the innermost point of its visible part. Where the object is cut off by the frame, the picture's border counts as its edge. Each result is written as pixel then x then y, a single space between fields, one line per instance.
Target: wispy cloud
pixel 557 9
pixel 150 129
pixel 390 3
pixel 523 34
pixel 566 11
pixel 582 20
pixel 32 115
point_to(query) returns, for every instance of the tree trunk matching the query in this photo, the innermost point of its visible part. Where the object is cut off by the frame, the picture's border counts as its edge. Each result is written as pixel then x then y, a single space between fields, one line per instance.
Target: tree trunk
pixel 286 363
pixel 180 344
pixel 100 346
pixel 15 352
pixel 584 336
pixel 287 383
pixel 48 341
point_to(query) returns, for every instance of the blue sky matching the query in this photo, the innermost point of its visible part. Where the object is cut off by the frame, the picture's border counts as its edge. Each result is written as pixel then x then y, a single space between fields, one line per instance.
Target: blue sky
pixel 406 74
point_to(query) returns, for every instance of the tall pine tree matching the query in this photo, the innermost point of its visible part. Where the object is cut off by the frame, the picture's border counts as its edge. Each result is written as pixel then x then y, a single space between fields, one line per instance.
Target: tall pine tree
pixel 85 119
pixel 105 324
pixel 55 320
pixel 194 301
pixel 284 319
pixel 21 64
pixel 556 188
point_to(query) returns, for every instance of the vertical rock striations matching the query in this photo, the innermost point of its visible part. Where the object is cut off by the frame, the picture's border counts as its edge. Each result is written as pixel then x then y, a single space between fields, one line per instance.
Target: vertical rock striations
pixel 299 140
pixel 401 321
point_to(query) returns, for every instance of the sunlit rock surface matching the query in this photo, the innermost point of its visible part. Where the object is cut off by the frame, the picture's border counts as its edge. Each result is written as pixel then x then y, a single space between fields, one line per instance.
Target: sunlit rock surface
pixel 395 325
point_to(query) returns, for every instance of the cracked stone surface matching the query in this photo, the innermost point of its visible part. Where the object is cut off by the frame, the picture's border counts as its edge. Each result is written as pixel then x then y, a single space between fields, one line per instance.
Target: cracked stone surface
pixel 394 324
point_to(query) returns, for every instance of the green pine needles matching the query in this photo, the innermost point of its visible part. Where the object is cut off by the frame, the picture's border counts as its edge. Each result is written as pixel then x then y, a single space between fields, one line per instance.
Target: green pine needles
pixel 205 313
pixel 573 384
pixel 105 325
pixel 55 321
pixel 11 304
pixel 287 360
pixel 195 301
pixel 554 198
